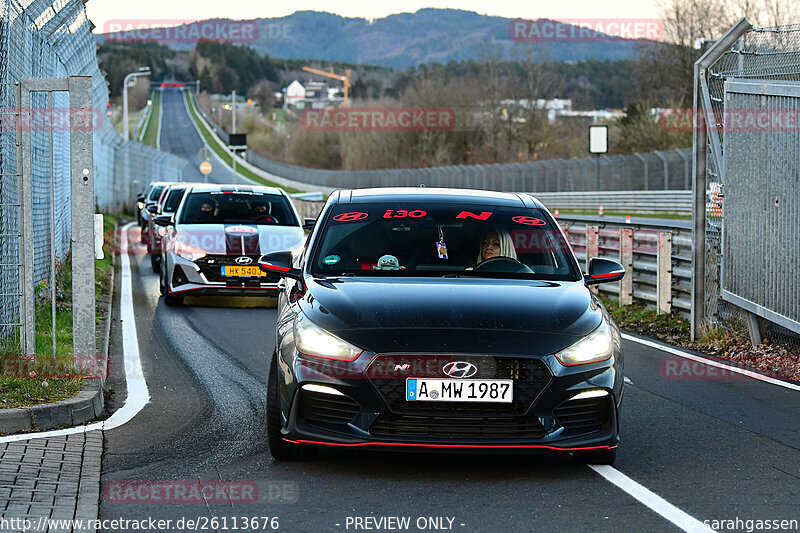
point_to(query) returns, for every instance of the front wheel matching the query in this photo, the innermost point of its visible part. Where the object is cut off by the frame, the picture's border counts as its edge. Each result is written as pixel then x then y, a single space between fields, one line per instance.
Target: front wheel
pixel 170 300
pixel 279 448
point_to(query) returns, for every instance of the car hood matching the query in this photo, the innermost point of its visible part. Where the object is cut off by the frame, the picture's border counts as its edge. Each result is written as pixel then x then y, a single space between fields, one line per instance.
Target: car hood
pixel 461 315
pixel 239 239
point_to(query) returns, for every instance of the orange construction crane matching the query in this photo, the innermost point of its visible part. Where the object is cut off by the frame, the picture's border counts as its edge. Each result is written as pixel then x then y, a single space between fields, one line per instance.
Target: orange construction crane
pixel 344 79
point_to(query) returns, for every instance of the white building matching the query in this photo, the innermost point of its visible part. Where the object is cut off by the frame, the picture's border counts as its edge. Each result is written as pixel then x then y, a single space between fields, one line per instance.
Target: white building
pixel 295 92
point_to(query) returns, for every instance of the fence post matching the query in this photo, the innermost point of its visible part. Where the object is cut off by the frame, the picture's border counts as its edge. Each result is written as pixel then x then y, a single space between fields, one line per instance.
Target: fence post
pixel 664 273
pixel 592 247
pixel 82 190
pixel 27 300
pixel 626 258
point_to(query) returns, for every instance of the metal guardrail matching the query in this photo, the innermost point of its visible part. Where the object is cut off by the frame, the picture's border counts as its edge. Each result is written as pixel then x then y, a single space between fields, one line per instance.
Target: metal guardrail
pixel 650 202
pixel 645 256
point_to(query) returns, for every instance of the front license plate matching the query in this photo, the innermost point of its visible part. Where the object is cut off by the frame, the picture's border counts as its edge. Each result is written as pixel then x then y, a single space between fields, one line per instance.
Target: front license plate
pixel 460 390
pixel 243 271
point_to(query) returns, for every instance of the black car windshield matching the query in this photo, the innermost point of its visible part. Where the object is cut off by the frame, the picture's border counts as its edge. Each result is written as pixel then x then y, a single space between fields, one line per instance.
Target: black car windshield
pixel 222 207
pixel 155 192
pixel 173 200
pixel 433 239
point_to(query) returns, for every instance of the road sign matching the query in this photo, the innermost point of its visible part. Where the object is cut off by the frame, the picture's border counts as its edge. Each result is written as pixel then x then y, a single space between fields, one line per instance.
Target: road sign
pixel 204 154
pixel 205 167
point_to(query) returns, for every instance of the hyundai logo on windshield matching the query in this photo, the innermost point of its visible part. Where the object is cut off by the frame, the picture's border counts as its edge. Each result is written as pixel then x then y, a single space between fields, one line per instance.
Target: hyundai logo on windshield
pixel 460 369
pixel 243 260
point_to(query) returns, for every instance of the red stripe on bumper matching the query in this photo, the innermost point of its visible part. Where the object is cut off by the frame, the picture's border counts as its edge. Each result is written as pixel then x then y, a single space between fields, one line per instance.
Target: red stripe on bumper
pixel 479 446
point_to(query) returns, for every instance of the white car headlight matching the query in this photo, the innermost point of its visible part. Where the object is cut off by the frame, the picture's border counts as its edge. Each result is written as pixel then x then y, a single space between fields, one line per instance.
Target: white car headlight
pixel 190 253
pixel 311 339
pixel 595 347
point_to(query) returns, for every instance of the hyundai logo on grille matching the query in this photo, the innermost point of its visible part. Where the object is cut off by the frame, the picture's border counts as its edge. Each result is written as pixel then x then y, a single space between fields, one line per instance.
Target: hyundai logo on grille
pixel 243 260
pixel 460 369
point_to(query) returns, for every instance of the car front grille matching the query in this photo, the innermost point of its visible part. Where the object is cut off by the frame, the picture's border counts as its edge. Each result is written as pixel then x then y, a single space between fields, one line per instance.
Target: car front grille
pixel 458 428
pixel 327 408
pixel 580 417
pixel 386 373
pixel 211 267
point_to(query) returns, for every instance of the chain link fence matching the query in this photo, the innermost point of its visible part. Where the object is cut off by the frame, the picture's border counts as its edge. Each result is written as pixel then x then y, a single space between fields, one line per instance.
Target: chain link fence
pixel 667 170
pixel 651 171
pixel 53 39
pixel 747 151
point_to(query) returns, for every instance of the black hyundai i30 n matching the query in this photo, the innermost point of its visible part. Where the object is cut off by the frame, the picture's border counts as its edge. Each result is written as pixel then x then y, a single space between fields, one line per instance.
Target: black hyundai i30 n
pixel 442 319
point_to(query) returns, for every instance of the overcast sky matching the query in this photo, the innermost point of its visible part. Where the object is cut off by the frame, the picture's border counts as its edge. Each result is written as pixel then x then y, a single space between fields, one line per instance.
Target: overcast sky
pixel 101 11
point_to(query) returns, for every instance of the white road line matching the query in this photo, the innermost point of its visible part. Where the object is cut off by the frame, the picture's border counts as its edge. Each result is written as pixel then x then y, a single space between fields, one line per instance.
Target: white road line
pixel 628 380
pixel 160 116
pixel 138 395
pixel 710 362
pixel 651 500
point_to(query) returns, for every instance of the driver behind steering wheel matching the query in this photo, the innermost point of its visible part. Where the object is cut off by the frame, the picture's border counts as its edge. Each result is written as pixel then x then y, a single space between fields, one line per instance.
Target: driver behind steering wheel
pixel 259 213
pixel 496 242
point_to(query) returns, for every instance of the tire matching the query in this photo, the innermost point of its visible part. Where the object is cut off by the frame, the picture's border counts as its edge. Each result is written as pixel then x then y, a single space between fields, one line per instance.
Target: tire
pixel 155 263
pixel 170 300
pixel 279 448
pixel 599 457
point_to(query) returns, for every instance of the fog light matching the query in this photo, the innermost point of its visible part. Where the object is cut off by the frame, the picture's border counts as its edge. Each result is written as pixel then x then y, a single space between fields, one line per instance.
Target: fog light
pixel 585 395
pixel 322 389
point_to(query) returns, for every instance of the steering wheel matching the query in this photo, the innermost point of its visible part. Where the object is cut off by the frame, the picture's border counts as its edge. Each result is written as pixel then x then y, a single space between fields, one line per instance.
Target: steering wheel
pixel 266 218
pixel 503 264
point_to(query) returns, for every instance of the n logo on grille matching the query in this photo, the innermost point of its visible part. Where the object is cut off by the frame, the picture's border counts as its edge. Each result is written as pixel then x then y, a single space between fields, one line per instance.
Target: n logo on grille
pixel 460 369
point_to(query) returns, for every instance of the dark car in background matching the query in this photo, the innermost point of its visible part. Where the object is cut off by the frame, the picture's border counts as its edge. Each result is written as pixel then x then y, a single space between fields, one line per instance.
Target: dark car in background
pixel 442 319
pixel 167 204
pixel 149 197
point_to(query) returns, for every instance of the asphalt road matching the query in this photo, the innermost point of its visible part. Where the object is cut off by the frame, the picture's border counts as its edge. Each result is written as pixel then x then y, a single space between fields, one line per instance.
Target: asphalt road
pixel 713 448
pixel 180 137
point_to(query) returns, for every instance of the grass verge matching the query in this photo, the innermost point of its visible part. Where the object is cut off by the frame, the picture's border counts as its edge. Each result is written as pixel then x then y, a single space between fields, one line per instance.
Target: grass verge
pixel 30 381
pixel 224 154
pixel 151 132
pixel 734 346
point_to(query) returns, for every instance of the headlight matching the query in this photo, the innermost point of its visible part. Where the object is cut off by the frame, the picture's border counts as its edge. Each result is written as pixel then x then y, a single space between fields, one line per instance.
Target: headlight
pixel 595 347
pixel 190 253
pixel 311 339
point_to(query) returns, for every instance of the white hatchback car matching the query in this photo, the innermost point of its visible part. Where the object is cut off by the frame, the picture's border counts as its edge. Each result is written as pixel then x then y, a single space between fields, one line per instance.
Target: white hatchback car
pixel 213 241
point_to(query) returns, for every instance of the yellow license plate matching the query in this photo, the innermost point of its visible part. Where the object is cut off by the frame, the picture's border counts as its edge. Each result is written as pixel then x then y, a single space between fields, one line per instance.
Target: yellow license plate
pixel 243 271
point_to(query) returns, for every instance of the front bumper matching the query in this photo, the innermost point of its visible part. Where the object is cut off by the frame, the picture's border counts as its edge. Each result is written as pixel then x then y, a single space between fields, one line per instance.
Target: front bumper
pixel 187 278
pixel 358 413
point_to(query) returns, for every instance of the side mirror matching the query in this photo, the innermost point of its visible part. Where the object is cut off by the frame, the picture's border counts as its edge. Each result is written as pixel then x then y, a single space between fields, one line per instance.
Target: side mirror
pixel 152 208
pixel 163 220
pixel 279 263
pixel 603 271
pixel 309 223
